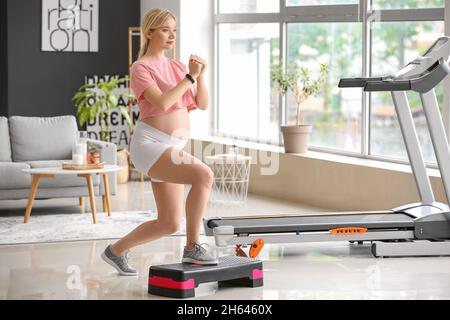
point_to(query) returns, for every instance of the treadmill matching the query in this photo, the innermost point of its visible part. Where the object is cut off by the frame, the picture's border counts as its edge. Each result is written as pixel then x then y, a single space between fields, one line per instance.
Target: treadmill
pixel 419 229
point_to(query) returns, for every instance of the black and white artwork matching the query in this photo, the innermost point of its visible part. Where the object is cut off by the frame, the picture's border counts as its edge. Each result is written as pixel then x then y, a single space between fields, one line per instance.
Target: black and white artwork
pixel 70 25
pixel 119 130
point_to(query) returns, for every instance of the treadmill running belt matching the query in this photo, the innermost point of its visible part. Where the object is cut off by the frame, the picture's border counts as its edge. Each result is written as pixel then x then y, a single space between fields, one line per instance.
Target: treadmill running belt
pixel 314 223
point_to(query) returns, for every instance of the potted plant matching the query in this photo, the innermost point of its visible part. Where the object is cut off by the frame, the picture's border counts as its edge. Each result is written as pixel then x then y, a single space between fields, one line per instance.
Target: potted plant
pixel 303 83
pixel 94 100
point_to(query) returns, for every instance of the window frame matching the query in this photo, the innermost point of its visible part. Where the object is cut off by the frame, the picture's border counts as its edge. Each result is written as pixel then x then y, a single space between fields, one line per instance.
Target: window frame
pixel 361 12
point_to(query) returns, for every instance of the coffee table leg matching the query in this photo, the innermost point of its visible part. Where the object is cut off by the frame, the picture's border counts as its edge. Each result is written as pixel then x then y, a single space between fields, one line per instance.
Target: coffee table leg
pixel 90 185
pixel 82 202
pixel 108 199
pixel 105 209
pixel 31 195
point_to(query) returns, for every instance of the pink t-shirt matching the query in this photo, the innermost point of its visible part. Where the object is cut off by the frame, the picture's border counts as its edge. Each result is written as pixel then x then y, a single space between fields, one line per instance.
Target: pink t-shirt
pixel 166 74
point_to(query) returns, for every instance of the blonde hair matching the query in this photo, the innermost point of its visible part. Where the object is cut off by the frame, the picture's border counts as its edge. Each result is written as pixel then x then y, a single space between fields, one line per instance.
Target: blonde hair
pixel 153 19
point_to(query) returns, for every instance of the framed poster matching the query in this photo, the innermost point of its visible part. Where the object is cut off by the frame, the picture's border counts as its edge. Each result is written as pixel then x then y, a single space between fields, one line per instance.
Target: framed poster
pixel 119 130
pixel 69 25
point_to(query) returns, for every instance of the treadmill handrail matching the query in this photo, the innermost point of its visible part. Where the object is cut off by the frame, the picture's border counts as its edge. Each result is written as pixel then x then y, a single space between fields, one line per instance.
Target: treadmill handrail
pixel 388 85
pixel 355 82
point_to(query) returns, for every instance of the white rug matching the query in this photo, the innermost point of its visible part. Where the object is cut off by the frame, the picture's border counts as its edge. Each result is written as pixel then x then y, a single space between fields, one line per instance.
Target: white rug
pixel 72 227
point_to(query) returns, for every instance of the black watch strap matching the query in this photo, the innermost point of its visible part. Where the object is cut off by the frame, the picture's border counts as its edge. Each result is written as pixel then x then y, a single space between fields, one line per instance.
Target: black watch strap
pixel 191 79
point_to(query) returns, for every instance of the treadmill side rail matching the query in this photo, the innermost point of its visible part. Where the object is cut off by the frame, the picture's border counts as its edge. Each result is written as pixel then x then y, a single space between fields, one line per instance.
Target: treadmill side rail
pixel 228 240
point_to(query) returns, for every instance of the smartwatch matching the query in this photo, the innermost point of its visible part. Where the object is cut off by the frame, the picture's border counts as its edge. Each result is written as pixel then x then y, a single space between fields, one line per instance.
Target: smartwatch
pixel 190 78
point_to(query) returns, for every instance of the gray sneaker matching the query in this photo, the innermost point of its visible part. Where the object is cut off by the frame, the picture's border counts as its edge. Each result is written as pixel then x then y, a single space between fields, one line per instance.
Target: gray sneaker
pixel 119 263
pixel 198 255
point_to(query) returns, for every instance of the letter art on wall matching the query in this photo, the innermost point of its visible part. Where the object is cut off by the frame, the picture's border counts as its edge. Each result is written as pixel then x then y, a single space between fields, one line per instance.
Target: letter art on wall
pixel 69 25
pixel 119 129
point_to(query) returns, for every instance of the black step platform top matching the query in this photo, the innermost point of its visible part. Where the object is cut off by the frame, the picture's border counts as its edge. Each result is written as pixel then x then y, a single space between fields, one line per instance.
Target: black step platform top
pixel 184 271
pixel 179 280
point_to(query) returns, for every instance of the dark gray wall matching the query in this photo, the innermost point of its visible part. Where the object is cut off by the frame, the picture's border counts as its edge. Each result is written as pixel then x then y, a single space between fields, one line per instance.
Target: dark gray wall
pixel 3 61
pixel 43 83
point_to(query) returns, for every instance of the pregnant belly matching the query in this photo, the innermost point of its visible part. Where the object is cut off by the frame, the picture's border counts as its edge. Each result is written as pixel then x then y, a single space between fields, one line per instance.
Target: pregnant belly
pixel 175 123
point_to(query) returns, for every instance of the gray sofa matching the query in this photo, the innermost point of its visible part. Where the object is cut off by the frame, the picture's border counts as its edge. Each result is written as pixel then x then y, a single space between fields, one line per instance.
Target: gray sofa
pixel 37 142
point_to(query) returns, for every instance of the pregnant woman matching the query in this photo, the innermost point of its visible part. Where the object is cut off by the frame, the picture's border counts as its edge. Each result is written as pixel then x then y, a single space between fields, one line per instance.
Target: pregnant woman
pixel 166 92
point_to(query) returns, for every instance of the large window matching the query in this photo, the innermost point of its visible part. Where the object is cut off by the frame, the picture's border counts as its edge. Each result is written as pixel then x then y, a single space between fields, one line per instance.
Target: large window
pixel 250 107
pixel 336 114
pixel 407 4
pixel 249 6
pixel 353 38
pixel 291 3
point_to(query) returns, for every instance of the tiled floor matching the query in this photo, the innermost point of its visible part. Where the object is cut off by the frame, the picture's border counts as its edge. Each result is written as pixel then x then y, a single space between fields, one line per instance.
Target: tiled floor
pixel 337 270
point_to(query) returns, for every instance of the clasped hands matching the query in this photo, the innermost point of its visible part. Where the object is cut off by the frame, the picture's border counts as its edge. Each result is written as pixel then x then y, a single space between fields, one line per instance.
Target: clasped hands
pixel 197 64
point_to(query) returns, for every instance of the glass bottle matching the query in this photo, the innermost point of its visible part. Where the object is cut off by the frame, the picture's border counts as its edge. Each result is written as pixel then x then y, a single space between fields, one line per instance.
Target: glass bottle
pixel 79 149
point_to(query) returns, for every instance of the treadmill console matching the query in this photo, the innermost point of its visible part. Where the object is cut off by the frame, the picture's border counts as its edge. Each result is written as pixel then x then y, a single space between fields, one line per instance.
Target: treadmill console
pixel 438 50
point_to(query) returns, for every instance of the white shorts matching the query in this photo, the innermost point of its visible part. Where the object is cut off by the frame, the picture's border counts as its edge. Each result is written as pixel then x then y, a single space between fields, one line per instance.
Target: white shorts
pixel 148 144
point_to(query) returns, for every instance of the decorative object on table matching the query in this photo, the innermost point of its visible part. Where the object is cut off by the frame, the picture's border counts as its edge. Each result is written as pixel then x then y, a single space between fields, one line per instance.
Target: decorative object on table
pixel 301 82
pixel 88 166
pixel 93 155
pixel 69 26
pixel 231 176
pixel 79 148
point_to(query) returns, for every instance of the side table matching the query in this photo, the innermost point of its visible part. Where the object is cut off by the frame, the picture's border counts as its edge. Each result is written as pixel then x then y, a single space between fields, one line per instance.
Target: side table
pixel 231 177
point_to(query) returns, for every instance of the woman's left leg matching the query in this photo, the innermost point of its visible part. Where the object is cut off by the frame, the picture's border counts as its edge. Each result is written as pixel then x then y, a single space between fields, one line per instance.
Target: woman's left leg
pixel 169 198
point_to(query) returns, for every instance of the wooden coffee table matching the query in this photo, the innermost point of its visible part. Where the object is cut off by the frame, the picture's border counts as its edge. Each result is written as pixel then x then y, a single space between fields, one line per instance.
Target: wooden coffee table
pixel 39 173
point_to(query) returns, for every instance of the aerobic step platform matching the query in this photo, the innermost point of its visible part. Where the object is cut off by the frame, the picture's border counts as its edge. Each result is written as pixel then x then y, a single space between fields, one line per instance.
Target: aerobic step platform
pixel 180 280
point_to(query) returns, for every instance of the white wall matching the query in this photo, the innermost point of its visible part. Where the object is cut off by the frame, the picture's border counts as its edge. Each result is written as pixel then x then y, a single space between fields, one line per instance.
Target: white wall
pixel 446 113
pixel 195 33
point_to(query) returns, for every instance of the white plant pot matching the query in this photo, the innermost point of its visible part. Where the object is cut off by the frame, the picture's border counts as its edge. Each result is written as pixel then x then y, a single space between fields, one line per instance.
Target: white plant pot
pixel 296 138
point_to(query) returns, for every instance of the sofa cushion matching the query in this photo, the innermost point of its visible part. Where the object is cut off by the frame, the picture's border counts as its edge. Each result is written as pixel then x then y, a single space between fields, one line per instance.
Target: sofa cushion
pixel 5 145
pixel 38 138
pixel 13 177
